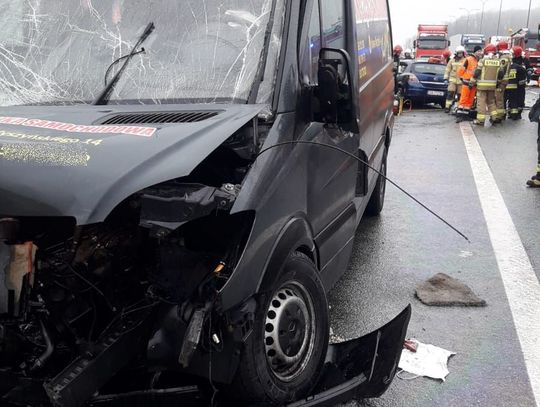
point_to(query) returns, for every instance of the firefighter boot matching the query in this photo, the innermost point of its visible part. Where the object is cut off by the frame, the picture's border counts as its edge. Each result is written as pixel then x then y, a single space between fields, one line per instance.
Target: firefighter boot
pixel 534 182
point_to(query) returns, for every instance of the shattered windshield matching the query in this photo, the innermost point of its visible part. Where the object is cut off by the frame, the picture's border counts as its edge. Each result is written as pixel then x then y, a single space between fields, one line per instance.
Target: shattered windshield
pixel 57 51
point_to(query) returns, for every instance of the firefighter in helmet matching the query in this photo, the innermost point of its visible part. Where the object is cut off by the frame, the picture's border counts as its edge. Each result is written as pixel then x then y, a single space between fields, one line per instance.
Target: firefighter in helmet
pixel 487 76
pixel 450 75
pixel 446 55
pixel 397 54
pixel 515 90
pixel 505 57
pixel 407 54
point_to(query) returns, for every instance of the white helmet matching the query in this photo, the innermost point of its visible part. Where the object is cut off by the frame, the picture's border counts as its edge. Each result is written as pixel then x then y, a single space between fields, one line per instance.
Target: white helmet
pixel 460 48
pixel 408 51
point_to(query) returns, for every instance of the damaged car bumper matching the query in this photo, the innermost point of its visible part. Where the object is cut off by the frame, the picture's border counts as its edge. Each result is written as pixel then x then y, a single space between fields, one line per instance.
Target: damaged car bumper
pixel 355 369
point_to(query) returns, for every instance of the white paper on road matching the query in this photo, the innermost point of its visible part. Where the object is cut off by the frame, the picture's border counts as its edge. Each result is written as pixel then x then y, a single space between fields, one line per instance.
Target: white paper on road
pixel 428 360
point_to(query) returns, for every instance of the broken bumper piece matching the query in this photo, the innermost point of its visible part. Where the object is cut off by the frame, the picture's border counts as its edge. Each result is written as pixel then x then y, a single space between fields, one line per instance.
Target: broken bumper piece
pixel 355 369
pixel 362 367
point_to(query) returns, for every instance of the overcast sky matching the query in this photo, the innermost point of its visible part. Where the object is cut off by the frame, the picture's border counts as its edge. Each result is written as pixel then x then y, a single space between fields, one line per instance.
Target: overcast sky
pixel 407 14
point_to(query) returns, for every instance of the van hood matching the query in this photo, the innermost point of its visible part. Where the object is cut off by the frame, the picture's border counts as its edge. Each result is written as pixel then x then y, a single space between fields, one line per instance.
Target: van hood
pixel 65 161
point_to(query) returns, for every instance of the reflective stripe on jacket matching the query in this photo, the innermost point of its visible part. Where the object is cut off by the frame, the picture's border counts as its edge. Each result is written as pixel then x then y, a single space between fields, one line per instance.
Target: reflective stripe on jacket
pixel 506 61
pixel 512 80
pixel 452 69
pixel 487 73
pixel 517 78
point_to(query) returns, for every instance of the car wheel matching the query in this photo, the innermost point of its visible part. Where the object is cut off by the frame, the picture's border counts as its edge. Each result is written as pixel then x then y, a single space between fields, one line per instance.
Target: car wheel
pixel 376 201
pixel 283 357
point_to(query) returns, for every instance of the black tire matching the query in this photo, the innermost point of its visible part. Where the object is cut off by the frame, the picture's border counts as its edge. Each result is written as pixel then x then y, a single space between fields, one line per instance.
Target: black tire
pixel 376 201
pixel 442 103
pixel 259 379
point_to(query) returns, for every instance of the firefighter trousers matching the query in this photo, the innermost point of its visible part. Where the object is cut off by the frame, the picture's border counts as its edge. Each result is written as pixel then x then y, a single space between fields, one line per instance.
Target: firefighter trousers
pixel 516 102
pixel 486 105
pixel 499 102
pixel 521 98
pixel 538 149
pixel 453 90
pixel 466 100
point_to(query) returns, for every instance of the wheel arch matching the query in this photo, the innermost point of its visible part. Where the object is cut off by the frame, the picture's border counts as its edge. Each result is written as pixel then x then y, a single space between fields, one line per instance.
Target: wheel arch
pixel 296 235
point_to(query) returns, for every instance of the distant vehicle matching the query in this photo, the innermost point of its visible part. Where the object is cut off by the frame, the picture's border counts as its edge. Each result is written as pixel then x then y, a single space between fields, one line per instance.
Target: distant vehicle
pixel 469 41
pixel 423 82
pixel 431 41
pixel 495 39
pixel 531 45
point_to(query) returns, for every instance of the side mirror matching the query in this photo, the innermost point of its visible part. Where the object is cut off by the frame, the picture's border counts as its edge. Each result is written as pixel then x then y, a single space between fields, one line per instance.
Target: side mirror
pixel 335 93
pixel 414 43
pixel 449 42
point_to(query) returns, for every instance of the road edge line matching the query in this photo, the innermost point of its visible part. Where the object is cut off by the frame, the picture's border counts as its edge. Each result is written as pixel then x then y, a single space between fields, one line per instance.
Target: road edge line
pixel 519 279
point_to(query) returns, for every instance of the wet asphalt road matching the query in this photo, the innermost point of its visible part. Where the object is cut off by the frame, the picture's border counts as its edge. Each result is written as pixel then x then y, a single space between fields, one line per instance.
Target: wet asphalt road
pixel 406 245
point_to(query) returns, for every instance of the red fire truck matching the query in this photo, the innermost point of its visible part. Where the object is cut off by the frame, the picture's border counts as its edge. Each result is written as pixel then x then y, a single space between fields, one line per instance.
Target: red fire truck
pixel 531 45
pixel 431 41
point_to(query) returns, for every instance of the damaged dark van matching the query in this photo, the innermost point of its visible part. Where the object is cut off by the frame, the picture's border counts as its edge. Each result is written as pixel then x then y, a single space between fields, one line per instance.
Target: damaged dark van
pixel 180 185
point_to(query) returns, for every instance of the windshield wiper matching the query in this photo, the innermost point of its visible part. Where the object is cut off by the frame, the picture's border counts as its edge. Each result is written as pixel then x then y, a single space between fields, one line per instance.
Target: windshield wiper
pixel 103 98
pixel 117 60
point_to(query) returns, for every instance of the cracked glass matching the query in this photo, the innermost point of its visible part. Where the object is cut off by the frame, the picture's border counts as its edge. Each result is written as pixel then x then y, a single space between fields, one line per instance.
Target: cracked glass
pixel 202 51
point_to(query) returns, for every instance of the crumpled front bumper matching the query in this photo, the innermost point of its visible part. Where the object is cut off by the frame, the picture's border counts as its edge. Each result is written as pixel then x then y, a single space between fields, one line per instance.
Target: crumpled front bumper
pixel 359 368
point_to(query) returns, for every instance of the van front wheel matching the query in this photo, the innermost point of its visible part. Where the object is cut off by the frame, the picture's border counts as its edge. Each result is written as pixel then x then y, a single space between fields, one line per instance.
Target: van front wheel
pixel 283 357
pixel 376 202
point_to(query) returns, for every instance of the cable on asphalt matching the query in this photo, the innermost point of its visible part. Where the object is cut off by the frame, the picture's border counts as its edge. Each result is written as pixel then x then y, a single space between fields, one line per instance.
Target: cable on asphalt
pixel 315 143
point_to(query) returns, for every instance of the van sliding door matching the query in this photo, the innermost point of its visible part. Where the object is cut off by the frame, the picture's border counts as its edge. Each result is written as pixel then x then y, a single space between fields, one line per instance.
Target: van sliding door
pixel 331 174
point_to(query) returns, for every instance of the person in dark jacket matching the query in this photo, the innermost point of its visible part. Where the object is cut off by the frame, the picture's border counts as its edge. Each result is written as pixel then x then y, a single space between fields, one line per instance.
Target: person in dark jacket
pixel 515 90
pixel 534 116
pixel 397 56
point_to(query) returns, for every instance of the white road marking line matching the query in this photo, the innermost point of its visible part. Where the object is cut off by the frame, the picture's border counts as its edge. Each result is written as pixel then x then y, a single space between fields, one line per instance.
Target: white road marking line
pixel 518 276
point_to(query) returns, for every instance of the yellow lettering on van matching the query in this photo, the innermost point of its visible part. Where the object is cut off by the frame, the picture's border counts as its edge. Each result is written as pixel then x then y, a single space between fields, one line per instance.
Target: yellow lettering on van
pixel 363 72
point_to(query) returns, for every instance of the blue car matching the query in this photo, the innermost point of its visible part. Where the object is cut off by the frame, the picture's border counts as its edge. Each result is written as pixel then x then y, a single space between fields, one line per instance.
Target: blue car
pixel 423 82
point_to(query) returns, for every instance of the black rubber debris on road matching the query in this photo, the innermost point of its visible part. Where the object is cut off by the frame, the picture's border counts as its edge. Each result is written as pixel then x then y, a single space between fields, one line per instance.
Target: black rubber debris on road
pixel 444 291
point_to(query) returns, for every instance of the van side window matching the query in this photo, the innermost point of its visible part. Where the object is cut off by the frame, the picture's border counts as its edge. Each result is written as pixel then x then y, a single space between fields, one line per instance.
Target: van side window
pixel 333 23
pixel 309 52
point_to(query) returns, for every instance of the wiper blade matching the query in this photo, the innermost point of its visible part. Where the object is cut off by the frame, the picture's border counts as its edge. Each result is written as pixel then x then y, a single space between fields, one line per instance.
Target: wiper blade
pixel 117 60
pixel 103 98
